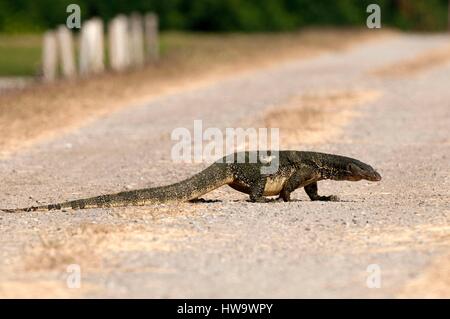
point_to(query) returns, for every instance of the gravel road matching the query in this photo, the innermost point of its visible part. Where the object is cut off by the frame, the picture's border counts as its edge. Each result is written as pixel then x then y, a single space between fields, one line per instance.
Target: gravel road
pixel 230 247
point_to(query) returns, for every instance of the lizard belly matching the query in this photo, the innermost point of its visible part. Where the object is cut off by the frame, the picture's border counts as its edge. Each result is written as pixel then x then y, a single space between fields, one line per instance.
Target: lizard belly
pixel 241 187
pixel 274 185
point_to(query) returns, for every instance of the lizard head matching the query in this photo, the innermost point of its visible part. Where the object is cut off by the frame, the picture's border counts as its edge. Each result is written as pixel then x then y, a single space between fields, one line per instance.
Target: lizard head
pixel 356 171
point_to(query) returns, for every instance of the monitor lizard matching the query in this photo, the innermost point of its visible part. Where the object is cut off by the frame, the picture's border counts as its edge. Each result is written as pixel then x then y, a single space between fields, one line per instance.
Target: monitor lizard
pixel 295 169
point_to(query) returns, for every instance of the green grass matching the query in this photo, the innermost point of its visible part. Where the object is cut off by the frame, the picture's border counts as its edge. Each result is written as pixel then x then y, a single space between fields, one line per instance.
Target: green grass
pixel 20 55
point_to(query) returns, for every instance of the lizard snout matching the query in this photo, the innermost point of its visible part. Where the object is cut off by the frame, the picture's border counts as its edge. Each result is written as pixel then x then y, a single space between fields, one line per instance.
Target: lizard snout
pixel 374 177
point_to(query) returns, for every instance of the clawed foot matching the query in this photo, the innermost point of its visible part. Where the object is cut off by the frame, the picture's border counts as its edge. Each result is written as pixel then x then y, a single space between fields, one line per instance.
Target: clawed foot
pixel 259 200
pixel 9 210
pixel 331 198
pixel 197 200
pixel 202 200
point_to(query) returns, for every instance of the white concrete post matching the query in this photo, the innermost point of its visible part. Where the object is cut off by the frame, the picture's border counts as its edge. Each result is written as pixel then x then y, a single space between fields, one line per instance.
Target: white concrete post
pixel 99 52
pixel 136 33
pixel 66 51
pixel 119 53
pixel 151 36
pixel 91 47
pixel 49 57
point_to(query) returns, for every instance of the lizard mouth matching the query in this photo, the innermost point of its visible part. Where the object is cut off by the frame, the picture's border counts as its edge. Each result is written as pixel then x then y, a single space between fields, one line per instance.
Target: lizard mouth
pixel 374 177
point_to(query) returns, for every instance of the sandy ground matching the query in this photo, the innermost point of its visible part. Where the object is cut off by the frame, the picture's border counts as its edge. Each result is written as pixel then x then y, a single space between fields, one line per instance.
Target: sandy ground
pixel 230 247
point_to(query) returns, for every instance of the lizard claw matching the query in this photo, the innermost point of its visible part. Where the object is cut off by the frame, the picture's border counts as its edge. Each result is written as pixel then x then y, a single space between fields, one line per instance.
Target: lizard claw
pixel 259 200
pixel 333 198
pixel 7 210
pixel 198 200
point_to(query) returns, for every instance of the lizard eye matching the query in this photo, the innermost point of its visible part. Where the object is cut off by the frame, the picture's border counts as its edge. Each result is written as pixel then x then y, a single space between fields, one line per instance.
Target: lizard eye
pixel 352 168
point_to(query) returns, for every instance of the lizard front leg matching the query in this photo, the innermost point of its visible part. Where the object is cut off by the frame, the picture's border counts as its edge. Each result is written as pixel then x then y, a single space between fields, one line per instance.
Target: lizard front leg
pixel 291 185
pixel 257 190
pixel 311 190
pixel 295 181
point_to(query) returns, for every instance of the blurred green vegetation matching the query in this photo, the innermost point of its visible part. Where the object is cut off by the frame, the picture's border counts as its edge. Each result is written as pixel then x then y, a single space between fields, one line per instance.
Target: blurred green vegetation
pixel 20 55
pixel 229 15
pixel 22 21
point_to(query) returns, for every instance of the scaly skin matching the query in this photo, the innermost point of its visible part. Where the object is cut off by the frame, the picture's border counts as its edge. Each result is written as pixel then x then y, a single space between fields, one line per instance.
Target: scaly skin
pixel 296 169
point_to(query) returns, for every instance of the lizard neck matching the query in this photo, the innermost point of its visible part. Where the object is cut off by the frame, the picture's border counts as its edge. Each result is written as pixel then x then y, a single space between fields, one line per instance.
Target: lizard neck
pixel 330 166
pixel 332 171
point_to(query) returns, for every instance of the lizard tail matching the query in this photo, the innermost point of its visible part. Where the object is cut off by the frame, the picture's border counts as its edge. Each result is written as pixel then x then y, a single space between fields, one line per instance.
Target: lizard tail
pixel 205 181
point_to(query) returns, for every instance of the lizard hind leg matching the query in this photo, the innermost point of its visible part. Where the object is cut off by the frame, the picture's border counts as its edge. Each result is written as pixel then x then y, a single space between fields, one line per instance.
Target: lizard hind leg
pixel 311 190
pixel 257 190
pixel 285 195
pixel 291 185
